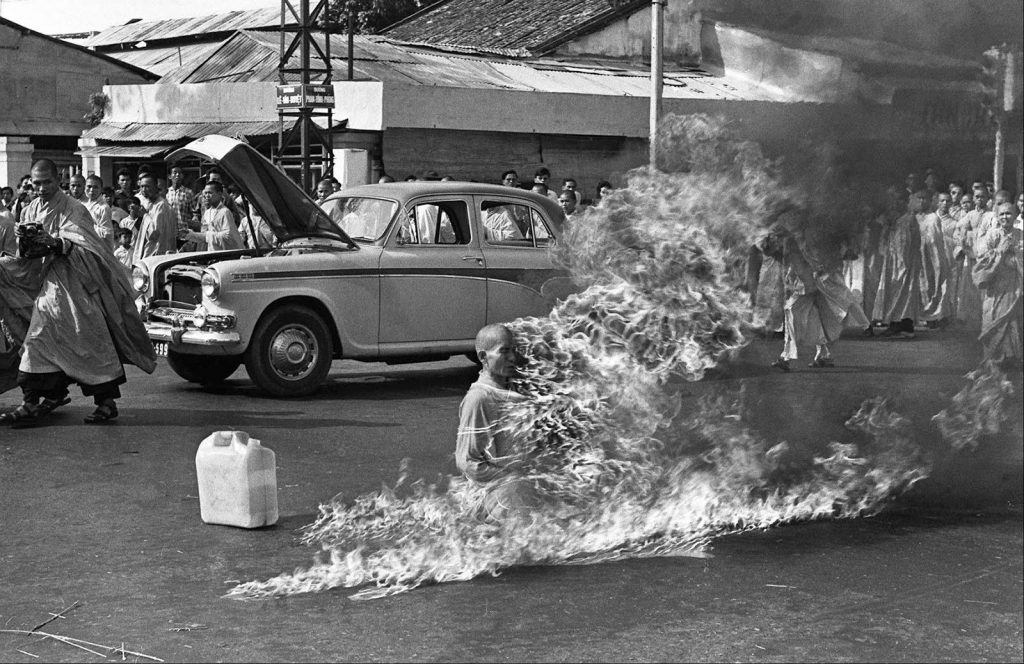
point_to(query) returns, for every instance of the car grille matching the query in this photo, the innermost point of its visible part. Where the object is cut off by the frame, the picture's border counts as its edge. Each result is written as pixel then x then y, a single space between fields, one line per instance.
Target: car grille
pixel 184 293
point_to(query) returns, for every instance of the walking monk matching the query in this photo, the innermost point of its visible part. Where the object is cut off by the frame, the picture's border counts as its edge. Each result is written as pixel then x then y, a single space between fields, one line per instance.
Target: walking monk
pixel 68 302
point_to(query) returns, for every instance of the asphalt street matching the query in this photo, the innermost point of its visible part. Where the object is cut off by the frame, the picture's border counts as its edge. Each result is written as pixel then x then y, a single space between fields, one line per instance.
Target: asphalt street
pixel 104 521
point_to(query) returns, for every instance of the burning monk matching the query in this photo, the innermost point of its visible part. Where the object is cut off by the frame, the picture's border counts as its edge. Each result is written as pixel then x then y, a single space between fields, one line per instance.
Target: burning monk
pixel 998 274
pixel 67 300
pixel 484 450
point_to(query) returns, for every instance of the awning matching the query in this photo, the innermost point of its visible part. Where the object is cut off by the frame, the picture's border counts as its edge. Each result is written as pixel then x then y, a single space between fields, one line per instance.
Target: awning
pixel 176 131
pixel 142 151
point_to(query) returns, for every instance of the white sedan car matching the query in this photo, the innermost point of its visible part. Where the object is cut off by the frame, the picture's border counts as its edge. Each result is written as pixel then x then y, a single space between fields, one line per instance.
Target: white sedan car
pixel 401 272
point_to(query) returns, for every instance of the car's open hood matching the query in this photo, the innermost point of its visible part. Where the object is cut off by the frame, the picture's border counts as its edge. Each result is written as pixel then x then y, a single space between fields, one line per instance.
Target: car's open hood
pixel 288 210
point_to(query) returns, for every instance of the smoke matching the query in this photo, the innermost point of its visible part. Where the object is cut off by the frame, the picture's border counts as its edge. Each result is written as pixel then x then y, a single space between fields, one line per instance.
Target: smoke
pixel 613 467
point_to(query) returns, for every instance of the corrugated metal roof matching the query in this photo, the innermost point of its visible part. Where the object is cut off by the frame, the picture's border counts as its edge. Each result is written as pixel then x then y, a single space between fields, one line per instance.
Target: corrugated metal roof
pixel 177 28
pixel 143 151
pixel 253 56
pixel 500 24
pixel 162 61
pixel 147 132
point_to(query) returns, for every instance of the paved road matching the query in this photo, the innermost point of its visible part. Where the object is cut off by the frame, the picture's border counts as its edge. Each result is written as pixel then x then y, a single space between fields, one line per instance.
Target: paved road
pixel 109 517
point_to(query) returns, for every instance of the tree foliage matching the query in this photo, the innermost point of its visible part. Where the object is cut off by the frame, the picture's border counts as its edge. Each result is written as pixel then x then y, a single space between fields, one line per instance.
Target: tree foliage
pixel 372 16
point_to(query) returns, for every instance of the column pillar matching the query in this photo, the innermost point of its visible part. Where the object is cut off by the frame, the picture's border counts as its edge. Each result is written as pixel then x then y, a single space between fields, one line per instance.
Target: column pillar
pixel 15 159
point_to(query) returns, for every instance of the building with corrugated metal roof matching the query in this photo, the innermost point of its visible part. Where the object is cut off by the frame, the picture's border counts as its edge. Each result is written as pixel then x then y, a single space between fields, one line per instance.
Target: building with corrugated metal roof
pixel 44 96
pixel 570 92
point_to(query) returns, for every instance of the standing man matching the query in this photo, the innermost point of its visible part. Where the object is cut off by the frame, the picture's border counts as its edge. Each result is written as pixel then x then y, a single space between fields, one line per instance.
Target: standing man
pixel 936 305
pixel 100 211
pixel 70 304
pixel 157 234
pixel 542 176
pixel 570 184
pixel 6 198
pixel 967 236
pixel 567 201
pixel 218 226
pixel 899 281
pixel 123 194
pixel 180 200
pixel 8 244
pixel 998 273
pixel 510 179
pixel 947 222
pixel 76 187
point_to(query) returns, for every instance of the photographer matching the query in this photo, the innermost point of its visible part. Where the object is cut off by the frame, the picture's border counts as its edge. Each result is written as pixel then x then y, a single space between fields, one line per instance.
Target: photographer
pixel 67 300
pixel 25 194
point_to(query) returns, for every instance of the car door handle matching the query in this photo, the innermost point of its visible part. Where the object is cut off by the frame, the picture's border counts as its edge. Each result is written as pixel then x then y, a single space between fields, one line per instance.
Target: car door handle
pixel 479 260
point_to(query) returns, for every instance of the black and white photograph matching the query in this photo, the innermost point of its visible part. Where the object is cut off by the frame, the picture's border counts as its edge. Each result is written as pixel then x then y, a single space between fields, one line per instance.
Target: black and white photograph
pixel 511 331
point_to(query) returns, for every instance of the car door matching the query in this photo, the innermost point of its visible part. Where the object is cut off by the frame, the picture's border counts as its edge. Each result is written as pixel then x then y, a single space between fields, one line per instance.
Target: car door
pixel 433 286
pixel 521 280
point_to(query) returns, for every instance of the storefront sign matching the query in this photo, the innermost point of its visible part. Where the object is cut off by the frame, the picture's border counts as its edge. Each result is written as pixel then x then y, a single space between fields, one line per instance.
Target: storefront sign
pixel 305 96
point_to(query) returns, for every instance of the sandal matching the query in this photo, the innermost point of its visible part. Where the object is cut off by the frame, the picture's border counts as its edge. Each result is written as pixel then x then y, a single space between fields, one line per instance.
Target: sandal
pixel 105 412
pixel 25 415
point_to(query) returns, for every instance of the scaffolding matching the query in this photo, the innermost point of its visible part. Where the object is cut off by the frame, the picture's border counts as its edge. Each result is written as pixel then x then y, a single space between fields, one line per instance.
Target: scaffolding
pixel 305 94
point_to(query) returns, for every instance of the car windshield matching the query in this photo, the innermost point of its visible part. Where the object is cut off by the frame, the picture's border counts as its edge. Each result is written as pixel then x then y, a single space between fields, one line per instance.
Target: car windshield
pixel 362 218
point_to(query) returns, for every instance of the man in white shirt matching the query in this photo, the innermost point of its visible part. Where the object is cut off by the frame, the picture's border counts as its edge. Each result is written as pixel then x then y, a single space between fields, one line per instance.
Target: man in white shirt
pixel 158 232
pixel 218 224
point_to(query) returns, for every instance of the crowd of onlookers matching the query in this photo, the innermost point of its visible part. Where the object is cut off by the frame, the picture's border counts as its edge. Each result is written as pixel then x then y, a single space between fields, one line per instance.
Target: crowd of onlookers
pixel 569 197
pixel 937 255
pixel 144 215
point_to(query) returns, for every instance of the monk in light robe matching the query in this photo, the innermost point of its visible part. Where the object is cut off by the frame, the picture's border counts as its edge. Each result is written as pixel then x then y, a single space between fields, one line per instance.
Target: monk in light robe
pixel 968 297
pixel 998 273
pixel 68 302
pixel 898 300
pixel 936 298
pixel 818 308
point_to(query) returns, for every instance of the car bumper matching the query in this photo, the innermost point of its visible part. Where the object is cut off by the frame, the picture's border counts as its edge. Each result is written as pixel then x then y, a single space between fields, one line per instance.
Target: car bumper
pixel 214 342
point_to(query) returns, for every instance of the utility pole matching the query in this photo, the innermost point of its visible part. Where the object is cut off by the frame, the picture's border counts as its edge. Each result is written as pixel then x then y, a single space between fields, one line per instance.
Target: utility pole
pixel 657 37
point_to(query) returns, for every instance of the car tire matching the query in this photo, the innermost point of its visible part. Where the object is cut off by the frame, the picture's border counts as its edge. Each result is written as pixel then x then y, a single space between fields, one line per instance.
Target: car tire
pixel 203 369
pixel 290 352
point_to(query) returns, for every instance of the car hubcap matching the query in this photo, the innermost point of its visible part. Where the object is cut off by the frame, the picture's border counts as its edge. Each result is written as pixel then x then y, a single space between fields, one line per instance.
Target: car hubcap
pixel 293 353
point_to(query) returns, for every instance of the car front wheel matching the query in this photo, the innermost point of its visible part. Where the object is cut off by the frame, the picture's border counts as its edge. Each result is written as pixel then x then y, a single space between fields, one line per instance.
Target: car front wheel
pixel 290 352
pixel 203 369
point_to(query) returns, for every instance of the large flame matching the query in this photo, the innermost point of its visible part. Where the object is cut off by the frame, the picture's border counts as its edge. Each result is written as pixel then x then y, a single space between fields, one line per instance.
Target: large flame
pixel 622 472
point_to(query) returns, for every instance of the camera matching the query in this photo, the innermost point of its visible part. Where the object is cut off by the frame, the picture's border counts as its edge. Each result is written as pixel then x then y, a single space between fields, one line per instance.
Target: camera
pixel 32 240
pixel 30 229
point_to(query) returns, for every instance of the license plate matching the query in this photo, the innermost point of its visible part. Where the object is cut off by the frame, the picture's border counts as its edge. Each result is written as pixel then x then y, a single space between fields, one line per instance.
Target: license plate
pixel 161 348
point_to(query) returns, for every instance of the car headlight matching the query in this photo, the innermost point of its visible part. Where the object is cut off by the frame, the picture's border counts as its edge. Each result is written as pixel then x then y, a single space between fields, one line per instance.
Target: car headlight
pixel 199 316
pixel 211 284
pixel 140 278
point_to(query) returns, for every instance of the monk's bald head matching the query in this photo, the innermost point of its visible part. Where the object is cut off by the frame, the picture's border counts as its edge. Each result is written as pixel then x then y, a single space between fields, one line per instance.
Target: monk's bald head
pixel 45 166
pixel 45 179
pixel 493 335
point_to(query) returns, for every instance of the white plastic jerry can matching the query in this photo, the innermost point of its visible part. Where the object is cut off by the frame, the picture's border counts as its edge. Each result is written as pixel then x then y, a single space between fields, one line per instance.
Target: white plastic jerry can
pixel 237 480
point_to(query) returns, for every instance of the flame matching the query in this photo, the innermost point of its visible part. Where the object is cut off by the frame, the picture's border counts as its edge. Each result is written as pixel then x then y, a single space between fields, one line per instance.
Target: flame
pixel 979 409
pixel 614 466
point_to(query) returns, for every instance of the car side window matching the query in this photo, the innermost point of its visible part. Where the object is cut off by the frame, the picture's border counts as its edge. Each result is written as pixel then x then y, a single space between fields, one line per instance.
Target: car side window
pixel 435 223
pixel 541 232
pixel 513 225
